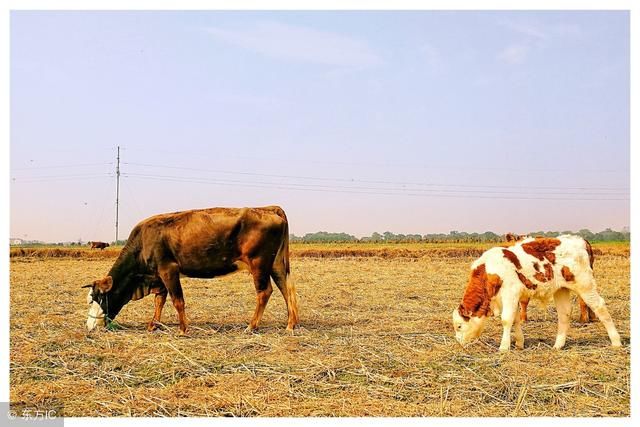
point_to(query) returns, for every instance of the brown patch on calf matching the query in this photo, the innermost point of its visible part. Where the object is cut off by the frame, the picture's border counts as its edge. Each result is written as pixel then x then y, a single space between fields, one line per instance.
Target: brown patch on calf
pixel 528 283
pixel 548 271
pixel 513 258
pixel 567 274
pixel 546 276
pixel 542 248
pixel 482 287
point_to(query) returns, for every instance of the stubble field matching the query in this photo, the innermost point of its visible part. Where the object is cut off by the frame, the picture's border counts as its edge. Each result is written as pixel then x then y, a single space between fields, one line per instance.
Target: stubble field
pixel 376 340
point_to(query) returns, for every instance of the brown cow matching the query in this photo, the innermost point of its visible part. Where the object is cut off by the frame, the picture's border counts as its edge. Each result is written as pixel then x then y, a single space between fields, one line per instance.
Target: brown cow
pixel 586 314
pixel 98 245
pixel 202 243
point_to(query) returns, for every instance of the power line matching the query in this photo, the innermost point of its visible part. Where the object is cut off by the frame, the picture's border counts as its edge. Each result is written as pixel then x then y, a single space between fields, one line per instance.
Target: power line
pixel 200 155
pixel 353 180
pixel 356 191
pixel 62 166
pixel 396 189
pixel 41 178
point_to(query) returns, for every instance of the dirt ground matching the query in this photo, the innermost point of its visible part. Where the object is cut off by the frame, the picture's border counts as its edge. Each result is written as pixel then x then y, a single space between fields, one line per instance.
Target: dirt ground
pixel 376 340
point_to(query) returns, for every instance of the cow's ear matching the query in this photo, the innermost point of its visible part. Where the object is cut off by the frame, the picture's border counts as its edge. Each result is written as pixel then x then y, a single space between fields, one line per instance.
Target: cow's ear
pixel 105 284
pixel 90 285
pixel 510 237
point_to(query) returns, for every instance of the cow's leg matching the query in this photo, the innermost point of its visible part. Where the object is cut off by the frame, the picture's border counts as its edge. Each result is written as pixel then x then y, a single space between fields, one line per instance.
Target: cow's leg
pixel 170 276
pixel 562 298
pixel 159 300
pixel 290 298
pixel 523 309
pixel 597 304
pixel 262 283
pixel 508 316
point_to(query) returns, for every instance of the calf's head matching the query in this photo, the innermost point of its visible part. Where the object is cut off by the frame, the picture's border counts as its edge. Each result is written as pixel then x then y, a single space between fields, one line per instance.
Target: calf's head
pixel 470 317
pixel 98 301
pixel 466 326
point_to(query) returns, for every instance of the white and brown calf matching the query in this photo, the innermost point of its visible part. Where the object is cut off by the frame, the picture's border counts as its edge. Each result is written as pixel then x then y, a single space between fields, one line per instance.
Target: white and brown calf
pixel 541 268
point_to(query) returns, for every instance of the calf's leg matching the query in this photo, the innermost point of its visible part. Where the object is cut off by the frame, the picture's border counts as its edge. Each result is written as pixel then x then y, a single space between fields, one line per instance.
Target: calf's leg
pixel 508 316
pixel 597 304
pixel 523 309
pixel 586 314
pixel 518 331
pixel 563 306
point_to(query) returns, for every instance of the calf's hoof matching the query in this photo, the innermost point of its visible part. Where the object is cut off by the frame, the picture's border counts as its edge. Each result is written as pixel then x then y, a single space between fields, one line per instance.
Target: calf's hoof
pixel 250 330
pixel 152 326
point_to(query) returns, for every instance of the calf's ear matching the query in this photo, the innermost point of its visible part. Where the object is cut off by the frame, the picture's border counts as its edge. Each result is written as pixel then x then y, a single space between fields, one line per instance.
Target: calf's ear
pixel 105 284
pixel 90 285
pixel 464 313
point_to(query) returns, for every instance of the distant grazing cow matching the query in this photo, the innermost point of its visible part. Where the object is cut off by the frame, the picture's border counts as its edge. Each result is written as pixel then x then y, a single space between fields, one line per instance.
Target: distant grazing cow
pixel 98 245
pixel 586 314
pixel 202 243
pixel 512 238
pixel 534 267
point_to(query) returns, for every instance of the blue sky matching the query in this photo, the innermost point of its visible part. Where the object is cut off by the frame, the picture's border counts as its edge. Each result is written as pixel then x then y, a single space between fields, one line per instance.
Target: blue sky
pixel 411 122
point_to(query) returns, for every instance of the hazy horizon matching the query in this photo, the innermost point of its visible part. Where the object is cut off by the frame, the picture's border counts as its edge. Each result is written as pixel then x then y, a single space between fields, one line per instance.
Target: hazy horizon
pixel 359 122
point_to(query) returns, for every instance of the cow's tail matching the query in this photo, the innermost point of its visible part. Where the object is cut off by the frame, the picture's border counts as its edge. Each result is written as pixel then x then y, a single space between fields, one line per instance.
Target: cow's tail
pixel 284 247
pixel 289 288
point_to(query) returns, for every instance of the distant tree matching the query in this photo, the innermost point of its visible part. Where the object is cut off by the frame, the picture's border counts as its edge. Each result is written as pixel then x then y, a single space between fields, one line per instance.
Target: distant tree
pixel 586 234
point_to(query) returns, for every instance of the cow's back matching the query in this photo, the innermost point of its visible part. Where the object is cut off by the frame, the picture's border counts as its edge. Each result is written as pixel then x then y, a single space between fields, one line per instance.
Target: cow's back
pixel 209 242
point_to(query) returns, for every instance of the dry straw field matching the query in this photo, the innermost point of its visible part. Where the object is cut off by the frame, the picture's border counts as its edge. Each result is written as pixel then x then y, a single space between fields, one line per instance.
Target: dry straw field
pixel 376 340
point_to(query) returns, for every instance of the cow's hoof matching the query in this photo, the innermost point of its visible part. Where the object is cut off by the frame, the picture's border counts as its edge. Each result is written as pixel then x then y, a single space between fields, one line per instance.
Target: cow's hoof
pixel 250 330
pixel 504 349
pixel 520 346
pixel 152 327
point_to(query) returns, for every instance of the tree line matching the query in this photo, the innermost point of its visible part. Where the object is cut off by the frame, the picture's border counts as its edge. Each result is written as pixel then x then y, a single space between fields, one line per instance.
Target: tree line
pixel 607 235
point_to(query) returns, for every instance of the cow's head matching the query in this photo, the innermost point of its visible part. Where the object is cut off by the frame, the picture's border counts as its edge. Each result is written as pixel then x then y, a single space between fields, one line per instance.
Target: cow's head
pixel 98 301
pixel 466 326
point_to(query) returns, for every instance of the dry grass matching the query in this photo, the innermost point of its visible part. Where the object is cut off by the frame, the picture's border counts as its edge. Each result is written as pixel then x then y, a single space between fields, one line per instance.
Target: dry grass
pixel 376 340
pixel 319 250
